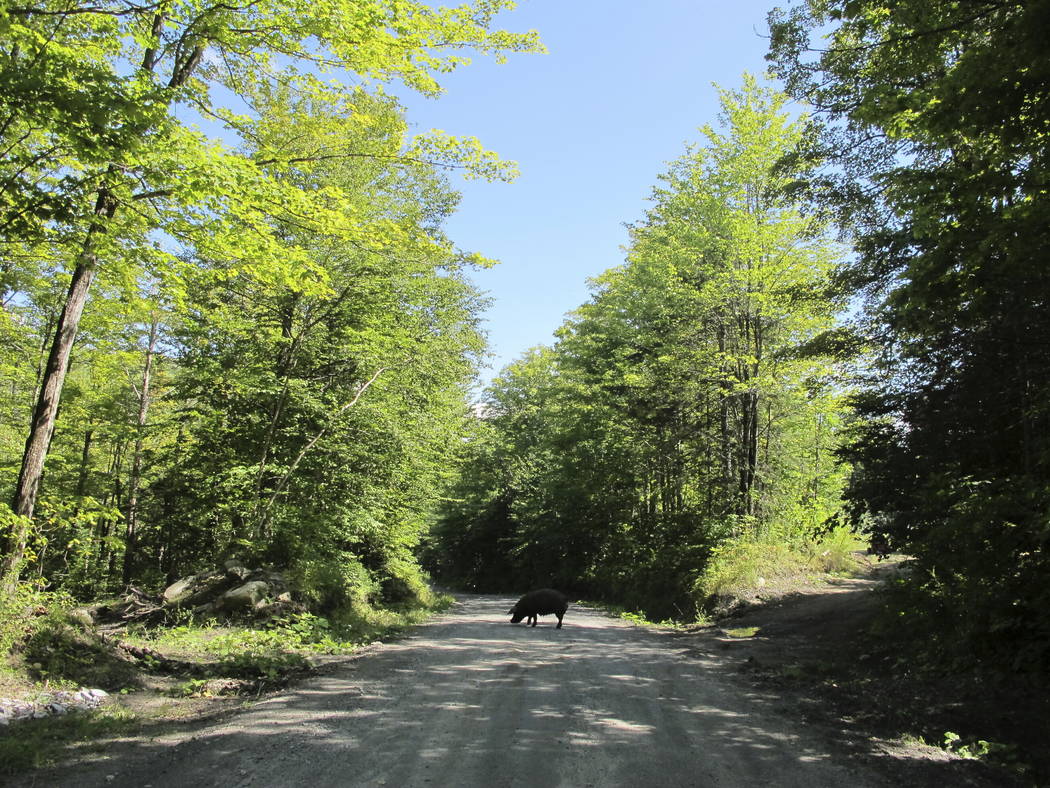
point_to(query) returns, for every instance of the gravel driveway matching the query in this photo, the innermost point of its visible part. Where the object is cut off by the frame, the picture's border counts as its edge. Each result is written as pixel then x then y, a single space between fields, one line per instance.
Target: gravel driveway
pixel 471 700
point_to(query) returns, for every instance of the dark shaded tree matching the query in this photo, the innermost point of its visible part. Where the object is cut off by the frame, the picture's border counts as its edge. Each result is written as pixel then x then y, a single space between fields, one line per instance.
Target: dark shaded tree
pixel 938 116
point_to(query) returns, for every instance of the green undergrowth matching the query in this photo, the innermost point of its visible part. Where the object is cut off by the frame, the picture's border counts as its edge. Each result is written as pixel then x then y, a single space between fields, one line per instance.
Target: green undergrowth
pixel 743 567
pixel 46 647
pixel 747 567
pixel 285 644
pixel 26 612
pixel 636 616
pixel 43 646
pixel 742 633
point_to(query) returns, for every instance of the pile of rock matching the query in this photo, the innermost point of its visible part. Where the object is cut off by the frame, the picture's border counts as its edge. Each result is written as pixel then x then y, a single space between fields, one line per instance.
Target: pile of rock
pixel 233 590
pixel 49 704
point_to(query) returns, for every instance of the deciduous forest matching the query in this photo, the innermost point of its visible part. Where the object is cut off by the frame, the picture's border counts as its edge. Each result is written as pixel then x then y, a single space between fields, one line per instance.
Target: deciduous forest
pixel 234 327
pixel 827 323
pixel 259 347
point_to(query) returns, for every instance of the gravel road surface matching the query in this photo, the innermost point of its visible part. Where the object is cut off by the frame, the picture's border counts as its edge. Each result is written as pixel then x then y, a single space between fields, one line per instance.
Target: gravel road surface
pixel 471 700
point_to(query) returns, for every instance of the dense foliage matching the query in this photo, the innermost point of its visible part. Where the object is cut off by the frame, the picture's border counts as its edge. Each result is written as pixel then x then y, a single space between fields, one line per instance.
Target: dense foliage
pixel 224 213
pixel 683 407
pixel 232 323
pixel 938 123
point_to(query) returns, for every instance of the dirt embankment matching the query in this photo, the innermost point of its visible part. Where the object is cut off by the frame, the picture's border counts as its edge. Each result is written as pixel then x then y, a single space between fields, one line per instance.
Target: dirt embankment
pixel 815 650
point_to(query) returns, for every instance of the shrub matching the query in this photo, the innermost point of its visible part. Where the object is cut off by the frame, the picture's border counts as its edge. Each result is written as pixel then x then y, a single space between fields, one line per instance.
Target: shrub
pixel 736 566
pixel 405 585
pixel 336 583
pixel 834 551
pixel 21 612
pixel 56 648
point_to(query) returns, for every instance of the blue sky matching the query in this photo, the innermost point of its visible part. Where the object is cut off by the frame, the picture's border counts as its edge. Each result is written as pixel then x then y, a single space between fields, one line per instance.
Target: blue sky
pixel 591 124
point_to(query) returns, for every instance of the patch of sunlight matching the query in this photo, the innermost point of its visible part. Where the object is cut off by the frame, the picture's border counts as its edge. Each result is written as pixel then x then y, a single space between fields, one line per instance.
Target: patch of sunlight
pixel 636 679
pixel 614 724
pixel 742 632
pixel 547 712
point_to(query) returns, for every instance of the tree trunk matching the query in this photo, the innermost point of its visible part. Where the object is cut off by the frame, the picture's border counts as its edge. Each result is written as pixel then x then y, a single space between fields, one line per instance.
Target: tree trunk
pixel 85 470
pixel 107 555
pixel 750 450
pixel 282 372
pixel 724 403
pixel 43 424
pixel 166 558
pixel 131 529
pixel 42 354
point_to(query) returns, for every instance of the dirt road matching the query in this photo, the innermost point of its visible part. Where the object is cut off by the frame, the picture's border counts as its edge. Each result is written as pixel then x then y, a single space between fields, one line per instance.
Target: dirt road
pixel 471 700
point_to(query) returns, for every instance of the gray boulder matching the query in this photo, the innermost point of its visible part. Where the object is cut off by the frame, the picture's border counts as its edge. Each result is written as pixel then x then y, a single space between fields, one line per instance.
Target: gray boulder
pixel 198 589
pixel 178 590
pixel 235 570
pixel 244 597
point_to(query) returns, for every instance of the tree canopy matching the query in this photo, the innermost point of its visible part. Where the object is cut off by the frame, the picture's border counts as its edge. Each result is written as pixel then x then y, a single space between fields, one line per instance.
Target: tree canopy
pixel 232 323
pixel 235 323
pixel 679 409
pixel 937 126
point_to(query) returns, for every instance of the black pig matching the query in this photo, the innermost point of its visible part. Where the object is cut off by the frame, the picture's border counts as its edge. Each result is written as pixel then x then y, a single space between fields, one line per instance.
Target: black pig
pixel 539 603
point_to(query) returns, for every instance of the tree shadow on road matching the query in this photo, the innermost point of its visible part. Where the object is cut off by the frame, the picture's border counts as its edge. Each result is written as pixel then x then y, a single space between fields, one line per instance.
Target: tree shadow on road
pixel 469 699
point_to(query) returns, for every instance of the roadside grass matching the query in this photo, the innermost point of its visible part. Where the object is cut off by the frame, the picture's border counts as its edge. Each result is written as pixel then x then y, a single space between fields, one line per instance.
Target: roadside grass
pixel 1008 758
pixel 744 568
pixel 172 672
pixel 741 570
pixel 742 633
pixel 628 614
pixel 62 653
pixel 45 647
pixel 283 645
pixel 835 656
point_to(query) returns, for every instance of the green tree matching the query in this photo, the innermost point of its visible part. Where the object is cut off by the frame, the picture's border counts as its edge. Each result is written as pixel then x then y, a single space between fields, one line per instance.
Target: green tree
pixel 680 406
pixel 315 426
pixel 937 121
pixel 477 541
pixel 98 164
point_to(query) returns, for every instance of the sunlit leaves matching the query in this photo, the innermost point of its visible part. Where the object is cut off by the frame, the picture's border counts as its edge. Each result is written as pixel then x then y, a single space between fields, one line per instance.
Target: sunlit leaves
pixel 677 407
pixel 213 153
